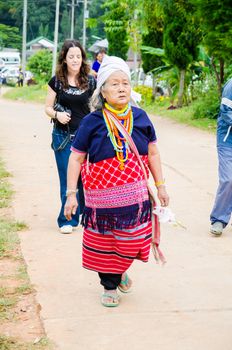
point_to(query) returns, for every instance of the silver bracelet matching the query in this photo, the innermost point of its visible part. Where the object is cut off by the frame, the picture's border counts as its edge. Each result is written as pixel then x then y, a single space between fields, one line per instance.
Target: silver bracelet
pixel 68 192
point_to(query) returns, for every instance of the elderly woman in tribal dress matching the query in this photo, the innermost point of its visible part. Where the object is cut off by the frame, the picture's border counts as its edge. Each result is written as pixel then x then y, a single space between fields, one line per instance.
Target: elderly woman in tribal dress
pixel 117 213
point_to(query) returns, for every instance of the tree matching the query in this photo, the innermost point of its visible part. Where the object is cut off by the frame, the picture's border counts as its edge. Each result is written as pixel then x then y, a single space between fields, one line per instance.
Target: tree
pixel 40 13
pixel 65 26
pixel 9 37
pixel 41 65
pixel 95 26
pixel 43 30
pixel 116 20
pixel 152 35
pixel 6 14
pixel 181 37
pixel 215 19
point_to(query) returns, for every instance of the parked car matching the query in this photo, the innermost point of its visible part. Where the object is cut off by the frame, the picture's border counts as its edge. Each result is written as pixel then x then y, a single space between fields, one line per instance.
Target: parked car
pixel 2 64
pixel 10 75
pixel 3 74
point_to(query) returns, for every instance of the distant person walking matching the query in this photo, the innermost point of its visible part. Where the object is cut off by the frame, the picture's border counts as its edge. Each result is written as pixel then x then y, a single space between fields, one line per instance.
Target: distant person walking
pixel 221 213
pixel 20 77
pixel 69 92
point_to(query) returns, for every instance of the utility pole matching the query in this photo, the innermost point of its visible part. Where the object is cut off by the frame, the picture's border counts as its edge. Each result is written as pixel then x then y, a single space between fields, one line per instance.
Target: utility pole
pixel 55 37
pixel 24 38
pixel 72 19
pixel 85 16
pixel 72 5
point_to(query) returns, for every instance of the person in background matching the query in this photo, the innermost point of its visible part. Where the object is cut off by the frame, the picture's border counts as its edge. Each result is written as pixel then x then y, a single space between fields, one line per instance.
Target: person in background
pixel 117 213
pixel 20 77
pixel 97 63
pixel 221 213
pixel 69 93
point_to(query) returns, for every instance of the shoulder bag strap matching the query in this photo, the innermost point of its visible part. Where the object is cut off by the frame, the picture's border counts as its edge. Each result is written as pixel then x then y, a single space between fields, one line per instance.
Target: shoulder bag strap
pixel 132 145
pixel 158 255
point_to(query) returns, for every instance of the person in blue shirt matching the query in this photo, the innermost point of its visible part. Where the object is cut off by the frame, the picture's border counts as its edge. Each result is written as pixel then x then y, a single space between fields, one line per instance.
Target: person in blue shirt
pixel 97 63
pixel 221 213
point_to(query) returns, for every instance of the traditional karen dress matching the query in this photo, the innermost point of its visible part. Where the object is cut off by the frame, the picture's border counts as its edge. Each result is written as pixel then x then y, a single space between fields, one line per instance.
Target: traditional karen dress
pixel 117 213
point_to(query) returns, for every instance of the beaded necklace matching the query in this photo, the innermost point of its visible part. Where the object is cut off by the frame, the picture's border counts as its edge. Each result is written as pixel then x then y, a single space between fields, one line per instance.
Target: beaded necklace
pixel 118 141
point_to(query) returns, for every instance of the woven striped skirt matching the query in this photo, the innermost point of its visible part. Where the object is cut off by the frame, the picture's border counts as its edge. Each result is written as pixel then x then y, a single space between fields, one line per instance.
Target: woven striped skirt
pixel 117 215
pixel 114 251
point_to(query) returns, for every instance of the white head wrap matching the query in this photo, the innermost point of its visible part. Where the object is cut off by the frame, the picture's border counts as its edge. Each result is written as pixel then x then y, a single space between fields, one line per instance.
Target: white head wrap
pixel 109 65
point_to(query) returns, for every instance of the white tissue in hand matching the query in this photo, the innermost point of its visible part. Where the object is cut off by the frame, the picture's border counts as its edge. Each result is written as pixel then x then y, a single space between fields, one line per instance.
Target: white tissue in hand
pixel 164 214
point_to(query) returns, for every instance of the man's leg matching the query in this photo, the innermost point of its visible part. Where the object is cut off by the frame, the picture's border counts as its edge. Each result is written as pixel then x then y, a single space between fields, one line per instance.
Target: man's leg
pixel 223 203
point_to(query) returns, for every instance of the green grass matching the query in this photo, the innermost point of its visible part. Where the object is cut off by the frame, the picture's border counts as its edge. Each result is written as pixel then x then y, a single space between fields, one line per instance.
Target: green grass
pixel 8 343
pixel 6 303
pixel 3 172
pixel 24 289
pixel 182 115
pixel 8 236
pixel 5 193
pixel 9 248
pixel 5 188
pixel 34 93
pixel 22 273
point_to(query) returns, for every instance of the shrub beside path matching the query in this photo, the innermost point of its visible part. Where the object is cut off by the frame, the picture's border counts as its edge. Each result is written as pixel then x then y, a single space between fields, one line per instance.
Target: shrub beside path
pixel 185 305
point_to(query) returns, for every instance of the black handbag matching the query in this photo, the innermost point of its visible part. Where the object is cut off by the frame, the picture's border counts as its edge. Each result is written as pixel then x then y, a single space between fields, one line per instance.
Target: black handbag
pixel 59 108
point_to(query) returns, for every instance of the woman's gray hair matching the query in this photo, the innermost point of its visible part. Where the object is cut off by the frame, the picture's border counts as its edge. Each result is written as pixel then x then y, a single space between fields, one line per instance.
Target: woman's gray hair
pixel 97 100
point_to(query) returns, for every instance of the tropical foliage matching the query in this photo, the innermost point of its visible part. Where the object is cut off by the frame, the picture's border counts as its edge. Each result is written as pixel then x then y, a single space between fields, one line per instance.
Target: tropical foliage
pixel 185 44
pixel 41 65
pixel 116 27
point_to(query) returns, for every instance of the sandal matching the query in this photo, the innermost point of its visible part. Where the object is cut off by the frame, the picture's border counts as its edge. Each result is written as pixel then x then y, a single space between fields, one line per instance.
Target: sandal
pixel 125 284
pixel 110 300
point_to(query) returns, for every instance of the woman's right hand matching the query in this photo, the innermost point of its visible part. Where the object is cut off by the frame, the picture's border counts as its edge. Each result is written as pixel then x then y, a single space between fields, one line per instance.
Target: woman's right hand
pixel 70 207
pixel 63 117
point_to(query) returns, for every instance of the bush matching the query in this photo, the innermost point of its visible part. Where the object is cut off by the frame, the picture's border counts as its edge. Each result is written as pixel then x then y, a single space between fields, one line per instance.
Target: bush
pixel 207 105
pixel 40 64
pixel 146 93
pixel 162 101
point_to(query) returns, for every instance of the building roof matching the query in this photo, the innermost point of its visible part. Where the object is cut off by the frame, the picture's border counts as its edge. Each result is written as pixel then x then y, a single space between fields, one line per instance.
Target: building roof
pixel 48 44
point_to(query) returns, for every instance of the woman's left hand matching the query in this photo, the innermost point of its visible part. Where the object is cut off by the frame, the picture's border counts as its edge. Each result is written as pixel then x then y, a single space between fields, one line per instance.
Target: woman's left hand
pixel 163 196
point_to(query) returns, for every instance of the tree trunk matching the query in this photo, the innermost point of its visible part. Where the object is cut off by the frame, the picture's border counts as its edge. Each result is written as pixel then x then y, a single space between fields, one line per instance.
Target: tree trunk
pixel 219 76
pixel 181 88
pixel 154 88
pixel 221 73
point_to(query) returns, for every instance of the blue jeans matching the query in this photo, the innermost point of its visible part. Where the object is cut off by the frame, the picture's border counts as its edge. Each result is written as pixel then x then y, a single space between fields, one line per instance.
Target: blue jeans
pixel 61 143
pixel 223 202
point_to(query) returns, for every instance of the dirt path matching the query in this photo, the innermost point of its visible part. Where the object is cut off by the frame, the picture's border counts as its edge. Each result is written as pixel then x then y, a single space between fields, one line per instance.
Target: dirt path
pixel 186 305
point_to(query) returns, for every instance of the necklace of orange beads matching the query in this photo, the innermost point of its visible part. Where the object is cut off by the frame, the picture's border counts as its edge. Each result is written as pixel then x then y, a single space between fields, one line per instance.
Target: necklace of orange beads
pixel 118 141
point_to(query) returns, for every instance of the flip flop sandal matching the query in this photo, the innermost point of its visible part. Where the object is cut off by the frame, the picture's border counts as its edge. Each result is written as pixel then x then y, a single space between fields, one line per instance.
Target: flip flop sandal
pixel 107 296
pixel 124 283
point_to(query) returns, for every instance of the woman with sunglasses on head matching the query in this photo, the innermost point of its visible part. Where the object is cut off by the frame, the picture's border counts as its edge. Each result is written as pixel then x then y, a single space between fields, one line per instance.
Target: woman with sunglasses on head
pixel 67 102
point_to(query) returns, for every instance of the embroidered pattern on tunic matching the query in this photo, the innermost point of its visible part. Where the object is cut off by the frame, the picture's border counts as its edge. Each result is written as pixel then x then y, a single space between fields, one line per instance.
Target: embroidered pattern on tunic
pixel 115 199
pixel 119 196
